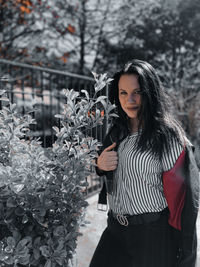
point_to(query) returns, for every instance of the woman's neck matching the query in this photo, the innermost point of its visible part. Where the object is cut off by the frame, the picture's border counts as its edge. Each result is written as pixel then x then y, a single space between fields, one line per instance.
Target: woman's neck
pixel 133 124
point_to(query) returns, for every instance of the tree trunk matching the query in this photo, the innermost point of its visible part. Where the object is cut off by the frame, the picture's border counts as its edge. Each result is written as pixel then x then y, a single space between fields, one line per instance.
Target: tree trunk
pixel 82 25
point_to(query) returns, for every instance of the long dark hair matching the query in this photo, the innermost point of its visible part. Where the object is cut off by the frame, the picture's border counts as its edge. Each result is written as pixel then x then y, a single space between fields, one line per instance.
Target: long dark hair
pixel 158 125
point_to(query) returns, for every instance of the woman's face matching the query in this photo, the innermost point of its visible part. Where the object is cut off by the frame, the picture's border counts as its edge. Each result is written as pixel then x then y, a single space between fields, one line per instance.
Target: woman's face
pixel 129 94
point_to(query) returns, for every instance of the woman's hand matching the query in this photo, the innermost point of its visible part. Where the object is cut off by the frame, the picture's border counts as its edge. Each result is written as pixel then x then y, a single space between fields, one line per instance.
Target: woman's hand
pixel 107 161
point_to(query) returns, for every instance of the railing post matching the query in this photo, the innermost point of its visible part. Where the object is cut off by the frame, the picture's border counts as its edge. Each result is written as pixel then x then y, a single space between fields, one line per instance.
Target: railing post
pixel 105 130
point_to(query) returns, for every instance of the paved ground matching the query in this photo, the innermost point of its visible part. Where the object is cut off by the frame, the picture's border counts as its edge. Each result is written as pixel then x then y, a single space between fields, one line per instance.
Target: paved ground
pixel 92 233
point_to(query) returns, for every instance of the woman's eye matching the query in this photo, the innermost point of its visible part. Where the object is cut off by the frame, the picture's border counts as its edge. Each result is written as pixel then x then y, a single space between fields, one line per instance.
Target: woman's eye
pixel 138 92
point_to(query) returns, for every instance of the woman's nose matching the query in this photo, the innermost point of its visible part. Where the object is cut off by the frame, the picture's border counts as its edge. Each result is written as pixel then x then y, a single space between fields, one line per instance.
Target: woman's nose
pixel 131 99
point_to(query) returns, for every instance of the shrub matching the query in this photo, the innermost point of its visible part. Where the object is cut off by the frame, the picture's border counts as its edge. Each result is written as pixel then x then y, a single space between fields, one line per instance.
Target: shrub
pixel 42 191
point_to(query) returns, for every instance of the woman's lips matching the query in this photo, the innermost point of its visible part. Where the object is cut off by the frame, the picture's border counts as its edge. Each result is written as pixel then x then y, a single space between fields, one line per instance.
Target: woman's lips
pixel 134 108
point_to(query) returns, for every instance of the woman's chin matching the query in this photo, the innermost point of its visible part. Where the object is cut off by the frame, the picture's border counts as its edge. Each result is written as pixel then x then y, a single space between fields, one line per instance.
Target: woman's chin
pixel 132 116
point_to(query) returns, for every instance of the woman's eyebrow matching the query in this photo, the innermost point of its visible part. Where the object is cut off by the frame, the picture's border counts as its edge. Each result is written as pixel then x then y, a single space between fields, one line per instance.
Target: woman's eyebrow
pixel 125 89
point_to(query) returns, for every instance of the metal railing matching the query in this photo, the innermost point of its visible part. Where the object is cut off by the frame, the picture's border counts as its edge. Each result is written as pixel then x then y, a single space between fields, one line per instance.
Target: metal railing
pixel 26 83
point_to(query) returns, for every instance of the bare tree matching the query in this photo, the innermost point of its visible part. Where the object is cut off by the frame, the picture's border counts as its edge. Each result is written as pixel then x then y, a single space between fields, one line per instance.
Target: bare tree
pixel 37 31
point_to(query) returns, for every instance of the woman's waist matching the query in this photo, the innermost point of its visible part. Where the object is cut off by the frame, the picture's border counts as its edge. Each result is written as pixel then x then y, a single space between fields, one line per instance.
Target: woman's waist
pixel 143 218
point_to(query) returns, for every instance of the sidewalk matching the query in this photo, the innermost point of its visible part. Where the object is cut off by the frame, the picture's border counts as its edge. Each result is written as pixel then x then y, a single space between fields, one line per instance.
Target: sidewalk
pixel 92 232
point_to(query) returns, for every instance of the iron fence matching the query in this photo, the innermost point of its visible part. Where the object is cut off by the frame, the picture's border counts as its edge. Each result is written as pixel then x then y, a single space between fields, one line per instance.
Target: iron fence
pixel 26 83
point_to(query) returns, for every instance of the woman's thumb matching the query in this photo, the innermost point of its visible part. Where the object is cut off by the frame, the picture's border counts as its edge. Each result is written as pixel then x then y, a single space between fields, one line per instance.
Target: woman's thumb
pixel 110 147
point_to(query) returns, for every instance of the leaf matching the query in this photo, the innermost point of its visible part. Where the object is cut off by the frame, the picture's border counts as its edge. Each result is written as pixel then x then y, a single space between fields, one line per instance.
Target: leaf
pixel 16 235
pixel 24 242
pixel 45 251
pixel 68 237
pixel 73 94
pixel 24 260
pixel 11 242
pixel 59 256
pixel 56 129
pixel 17 187
pixel 60 244
pixel 100 98
pixel 59 231
pixel 13 107
pixel 48 263
pixel 36 254
pixel 111 107
pixel 59 116
pixel 4 99
pixel 9 260
pixel 25 219
pixel 37 241
pixel 114 115
pixel 109 80
pixel 101 81
pixel 11 203
pixel 103 102
pixel 71 28
pixel 95 75
pixel 19 211
pixel 86 94
pixel 1 210
pixel 70 103
pixel 2 92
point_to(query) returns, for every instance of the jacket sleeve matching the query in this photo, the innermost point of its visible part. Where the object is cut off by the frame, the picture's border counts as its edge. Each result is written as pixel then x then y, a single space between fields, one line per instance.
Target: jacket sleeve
pixel 102 201
pixel 190 211
pixel 181 189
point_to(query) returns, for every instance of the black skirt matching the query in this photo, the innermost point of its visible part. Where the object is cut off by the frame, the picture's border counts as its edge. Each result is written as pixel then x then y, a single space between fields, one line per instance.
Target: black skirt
pixel 154 244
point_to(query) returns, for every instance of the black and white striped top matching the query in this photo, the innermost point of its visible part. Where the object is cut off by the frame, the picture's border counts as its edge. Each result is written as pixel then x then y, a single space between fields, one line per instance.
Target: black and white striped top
pixel 137 185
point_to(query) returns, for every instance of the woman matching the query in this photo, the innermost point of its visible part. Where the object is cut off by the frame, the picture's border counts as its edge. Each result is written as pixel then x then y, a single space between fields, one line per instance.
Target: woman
pixel 151 178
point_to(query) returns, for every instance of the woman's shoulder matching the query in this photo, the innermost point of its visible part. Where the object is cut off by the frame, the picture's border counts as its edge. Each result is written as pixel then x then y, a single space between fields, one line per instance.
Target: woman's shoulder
pixel 174 142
